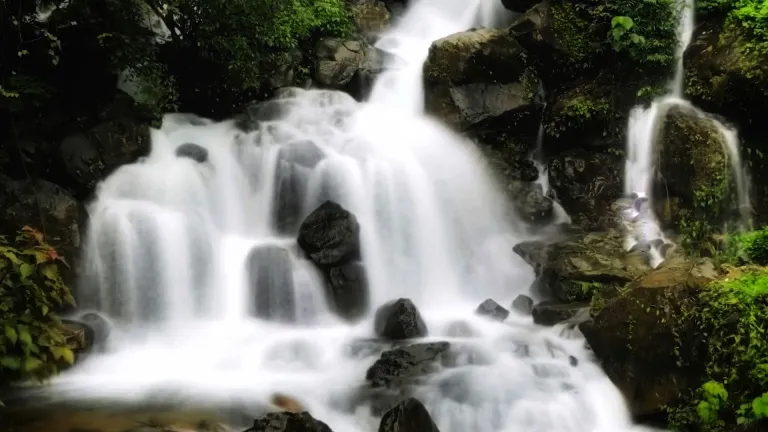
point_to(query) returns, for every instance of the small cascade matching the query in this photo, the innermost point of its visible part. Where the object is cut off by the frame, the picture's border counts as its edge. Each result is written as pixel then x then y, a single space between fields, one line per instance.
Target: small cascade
pixel 644 132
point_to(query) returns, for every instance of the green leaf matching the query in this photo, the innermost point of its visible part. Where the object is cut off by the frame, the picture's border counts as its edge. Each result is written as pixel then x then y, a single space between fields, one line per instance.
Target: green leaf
pixel 12 363
pixel 24 336
pixel 760 406
pixel 44 309
pixel 11 334
pixel 32 364
pixel 63 353
pixel 26 270
pixel 622 21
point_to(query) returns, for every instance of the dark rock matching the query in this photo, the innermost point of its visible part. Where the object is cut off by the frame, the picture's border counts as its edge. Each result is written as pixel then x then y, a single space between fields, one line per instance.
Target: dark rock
pixel 45 207
pixel 330 235
pixel 192 151
pixel 552 312
pixel 523 304
pixel 100 326
pixel 491 309
pixel 409 415
pixel 519 5
pixel 347 65
pixel 349 290
pixel 576 268
pixel 270 274
pixel 531 204
pixel 304 153
pixel 295 163
pixel 645 344
pixel 288 422
pixel 400 367
pixel 399 319
pixel 478 76
pixel 255 113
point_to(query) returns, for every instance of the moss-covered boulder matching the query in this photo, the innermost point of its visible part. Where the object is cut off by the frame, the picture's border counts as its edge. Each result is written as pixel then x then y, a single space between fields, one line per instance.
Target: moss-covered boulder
pixel 695 187
pixel 478 77
pixel 642 340
pixel 584 265
pixel 371 17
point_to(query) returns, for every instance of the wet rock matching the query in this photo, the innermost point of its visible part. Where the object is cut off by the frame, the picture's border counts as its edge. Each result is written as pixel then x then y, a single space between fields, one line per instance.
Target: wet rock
pixel 586 183
pixel 552 312
pixel 409 415
pixel 349 290
pixel 286 403
pixel 46 207
pixel 491 309
pixel 645 344
pixel 270 278
pixel 264 111
pixel 582 265
pixel 371 17
pixel 477 76
pixel 401 367
pixel 459 329
pixel 80 335
pixel 101 328
pixel 295 163
pixel 91 156
pixel 519 5
pixel 523 304
pixel 531 204
pixel 330 235
pixel 399 319
pixel 192 151
pixel 347 65
pixel 288 422
pixel 304 153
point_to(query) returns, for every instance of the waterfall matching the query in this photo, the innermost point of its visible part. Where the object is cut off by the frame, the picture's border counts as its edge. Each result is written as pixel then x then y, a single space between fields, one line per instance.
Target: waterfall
pixel 643 133
pixel 192 253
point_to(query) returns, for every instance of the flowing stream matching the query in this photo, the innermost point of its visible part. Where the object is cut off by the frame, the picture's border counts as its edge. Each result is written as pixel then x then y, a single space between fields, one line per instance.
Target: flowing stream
pixel 644 132
pixel 173 242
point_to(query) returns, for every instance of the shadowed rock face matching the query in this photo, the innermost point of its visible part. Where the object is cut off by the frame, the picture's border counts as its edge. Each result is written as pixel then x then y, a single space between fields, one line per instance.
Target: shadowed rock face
pixel 330 235
pixel 399 319
pixel 409 415
pixel 288 422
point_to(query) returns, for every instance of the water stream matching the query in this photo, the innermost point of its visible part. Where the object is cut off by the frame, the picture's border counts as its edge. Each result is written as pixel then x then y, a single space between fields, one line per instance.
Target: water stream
pixel 172 244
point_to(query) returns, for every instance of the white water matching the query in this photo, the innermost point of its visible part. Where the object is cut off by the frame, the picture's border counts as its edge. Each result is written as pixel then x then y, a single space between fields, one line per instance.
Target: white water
pixel 643 133
pixel 169 239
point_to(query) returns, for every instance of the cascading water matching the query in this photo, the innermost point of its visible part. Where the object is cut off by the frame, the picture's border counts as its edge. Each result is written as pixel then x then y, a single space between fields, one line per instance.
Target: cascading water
pixel 643 132
pixel 191 252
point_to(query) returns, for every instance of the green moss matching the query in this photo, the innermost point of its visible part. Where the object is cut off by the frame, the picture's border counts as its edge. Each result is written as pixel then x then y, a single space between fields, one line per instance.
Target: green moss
pixel 732 317
pixel 578 110
pixel 572 32
pixel 745 248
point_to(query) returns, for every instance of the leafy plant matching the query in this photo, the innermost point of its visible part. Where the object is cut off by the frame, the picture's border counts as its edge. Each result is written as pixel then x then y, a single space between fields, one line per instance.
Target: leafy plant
pixel 32 343
pixel 623 35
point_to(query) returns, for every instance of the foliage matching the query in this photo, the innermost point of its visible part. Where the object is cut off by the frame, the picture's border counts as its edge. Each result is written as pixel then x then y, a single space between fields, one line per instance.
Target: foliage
pixel 747 16
pixel 577 111
pixel 732 314
pixel 32 344
pixel 746 248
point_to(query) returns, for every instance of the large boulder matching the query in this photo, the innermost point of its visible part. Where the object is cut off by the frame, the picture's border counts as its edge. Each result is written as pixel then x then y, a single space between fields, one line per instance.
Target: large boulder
pixel 582 265
pixel 330 236
pixel 409 415
pixel 371 17
pixel 288 422
pixel 398 320
pixel 347 65
pixel 643 339
pixel 400 367
pixel 478 77
pixel 45 206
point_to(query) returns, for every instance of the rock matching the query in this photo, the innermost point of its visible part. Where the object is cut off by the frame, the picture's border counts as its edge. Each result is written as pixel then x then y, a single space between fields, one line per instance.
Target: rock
pixel 491 309
pixel 459 329
pixel 347 65
pixel 400 367
pixel 478 76
pixel 348 286
pixel 100 326
pixel 533 29
pixel 330 235
pixel 192 151
pixel 79 335
pixel 519 5
pixel 284 69
pixel 531 204
pixel 636 336
pixel 91 156
pixel 582 265
pixel 399 319
pixel 552 312
pixel 586 184
pixel 46 207
pixel 295 163
pixel 371 17
pixel 288 422
pixel 523 304
pixel 270 278
pixel 409 415
pixel 286 403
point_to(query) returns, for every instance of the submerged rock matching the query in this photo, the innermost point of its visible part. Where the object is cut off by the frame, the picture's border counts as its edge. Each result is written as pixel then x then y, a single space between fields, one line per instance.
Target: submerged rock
pixel 270 280
pixel 491 309
pixel 399 319
pixel 531 204
pixel 348 286
pixel 288 422
pixel 523 304
pixel 401 367
pixel 409 415
pixel 552 312
pixel 330 235
pixel 193 151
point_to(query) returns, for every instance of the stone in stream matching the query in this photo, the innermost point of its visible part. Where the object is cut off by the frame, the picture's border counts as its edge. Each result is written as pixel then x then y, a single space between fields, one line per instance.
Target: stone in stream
pixel 399 319
pixel 552 312
pixel 330 235
pixel 491 309
pixel 409 415
pixel 288 422
pixel 270 281
pixel 192 151
pixel 523 304
pixel 348 286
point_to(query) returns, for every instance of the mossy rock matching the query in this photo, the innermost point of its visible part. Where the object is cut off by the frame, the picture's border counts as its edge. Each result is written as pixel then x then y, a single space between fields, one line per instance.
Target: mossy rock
pixel 477 77
pixel 584 265
pixel 644 343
